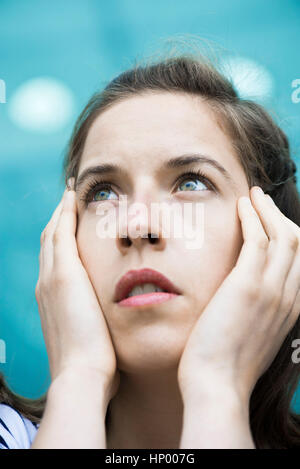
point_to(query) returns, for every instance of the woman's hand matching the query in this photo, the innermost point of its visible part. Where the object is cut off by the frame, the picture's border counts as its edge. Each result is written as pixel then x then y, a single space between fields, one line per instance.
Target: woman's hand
pixel 241 329
pixel 74 328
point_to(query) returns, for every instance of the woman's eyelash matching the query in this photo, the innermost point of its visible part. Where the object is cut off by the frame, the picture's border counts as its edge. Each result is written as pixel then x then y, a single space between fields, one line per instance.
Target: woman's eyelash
pixel 94 186
pixel 195 175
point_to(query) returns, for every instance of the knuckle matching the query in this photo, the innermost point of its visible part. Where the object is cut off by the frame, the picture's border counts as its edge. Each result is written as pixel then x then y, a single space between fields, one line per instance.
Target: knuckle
pixel 274 294
pixel 43 236
pixel 37 290
pixel 292 242
pixel 59 277
pixel 262 242
pixel 57 236
pixel 275 299
pixel 40 286
pixel 250 289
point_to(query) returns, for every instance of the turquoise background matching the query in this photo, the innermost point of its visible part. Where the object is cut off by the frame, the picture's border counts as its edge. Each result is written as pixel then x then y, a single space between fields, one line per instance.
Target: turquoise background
pixel 83 44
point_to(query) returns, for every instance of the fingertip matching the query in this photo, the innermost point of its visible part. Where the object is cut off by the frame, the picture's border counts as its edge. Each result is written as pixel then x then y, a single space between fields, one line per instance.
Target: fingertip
pixel 64 193
pixel 69 197
pixel 256 189
pixel 245 202
pixel 71 183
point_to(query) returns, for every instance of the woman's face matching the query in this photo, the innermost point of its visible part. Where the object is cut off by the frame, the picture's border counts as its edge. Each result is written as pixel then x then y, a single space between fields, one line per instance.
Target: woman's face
pixel 140 135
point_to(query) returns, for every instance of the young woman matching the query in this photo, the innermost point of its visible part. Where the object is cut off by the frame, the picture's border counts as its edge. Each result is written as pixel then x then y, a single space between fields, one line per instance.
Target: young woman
pixel 205 360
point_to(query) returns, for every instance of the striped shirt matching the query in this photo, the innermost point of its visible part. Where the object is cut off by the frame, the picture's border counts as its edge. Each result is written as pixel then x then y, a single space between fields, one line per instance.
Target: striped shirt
pixel 16 431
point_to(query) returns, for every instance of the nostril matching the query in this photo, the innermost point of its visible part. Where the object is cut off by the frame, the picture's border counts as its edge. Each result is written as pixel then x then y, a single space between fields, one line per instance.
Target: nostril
pixel 152 238
pixel 126 242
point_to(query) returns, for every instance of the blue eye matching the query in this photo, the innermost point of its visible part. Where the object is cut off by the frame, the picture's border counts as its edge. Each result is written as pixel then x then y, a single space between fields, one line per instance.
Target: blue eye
pixel 191 185
pixel 102 194
pixel 192 181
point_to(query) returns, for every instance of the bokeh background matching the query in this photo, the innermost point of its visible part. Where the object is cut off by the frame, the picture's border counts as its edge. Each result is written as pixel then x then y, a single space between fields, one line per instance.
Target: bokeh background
pixel 53 56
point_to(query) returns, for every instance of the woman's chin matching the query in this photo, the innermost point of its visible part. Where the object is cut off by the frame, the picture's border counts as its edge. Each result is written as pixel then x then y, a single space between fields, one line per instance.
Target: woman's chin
pixel 152 339
pixel 156 354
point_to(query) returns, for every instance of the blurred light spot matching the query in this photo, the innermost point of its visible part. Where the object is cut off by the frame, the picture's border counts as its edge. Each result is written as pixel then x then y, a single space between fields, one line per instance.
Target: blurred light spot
pixel 2 92
pixel 41 105
pixel 250 79
pixel 2 351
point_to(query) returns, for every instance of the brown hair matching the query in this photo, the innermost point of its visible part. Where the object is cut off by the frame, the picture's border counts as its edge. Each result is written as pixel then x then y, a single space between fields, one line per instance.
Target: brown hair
pixel 263 150
pixel 32 409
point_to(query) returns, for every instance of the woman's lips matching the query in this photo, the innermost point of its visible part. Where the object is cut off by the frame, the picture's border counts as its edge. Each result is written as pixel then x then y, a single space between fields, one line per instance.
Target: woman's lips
pixel 147 299
pixel 138 277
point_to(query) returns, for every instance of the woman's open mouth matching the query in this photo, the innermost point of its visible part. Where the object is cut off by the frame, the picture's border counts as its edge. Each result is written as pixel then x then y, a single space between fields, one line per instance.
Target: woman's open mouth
pixel 144 287
pixel 146 299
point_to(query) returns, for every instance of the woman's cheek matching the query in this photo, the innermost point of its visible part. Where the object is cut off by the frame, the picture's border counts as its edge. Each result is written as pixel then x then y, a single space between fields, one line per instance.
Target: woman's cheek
pixel 223 240
pixel 95 252
pixel 208 266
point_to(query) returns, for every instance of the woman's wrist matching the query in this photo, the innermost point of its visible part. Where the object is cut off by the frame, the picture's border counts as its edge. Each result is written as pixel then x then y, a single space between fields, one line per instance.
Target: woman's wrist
pixel 215 417
pixel 212 383
pixel 83 381
pixel 77 399
pixel 220 396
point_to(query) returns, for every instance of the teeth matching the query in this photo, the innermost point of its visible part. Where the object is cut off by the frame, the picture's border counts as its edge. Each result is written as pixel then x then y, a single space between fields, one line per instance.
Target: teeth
pixel 145 288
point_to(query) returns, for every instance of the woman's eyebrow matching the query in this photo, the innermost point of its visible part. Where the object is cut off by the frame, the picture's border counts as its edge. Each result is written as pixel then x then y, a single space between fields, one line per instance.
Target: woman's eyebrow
pixel 184 160
pixel 104 168
pixel 173 163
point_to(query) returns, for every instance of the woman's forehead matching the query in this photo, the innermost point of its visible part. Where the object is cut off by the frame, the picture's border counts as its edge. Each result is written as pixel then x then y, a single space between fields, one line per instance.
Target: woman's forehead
pixel 155 126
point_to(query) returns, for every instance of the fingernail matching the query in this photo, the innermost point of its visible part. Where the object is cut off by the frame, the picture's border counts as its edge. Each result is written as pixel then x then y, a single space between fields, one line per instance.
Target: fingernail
pixel 71 183
pixel 68 197
pixel 258 189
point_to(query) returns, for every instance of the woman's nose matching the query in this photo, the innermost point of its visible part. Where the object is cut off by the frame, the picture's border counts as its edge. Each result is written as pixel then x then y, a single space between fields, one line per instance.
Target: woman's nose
pixel 124 243
pixel 142 228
